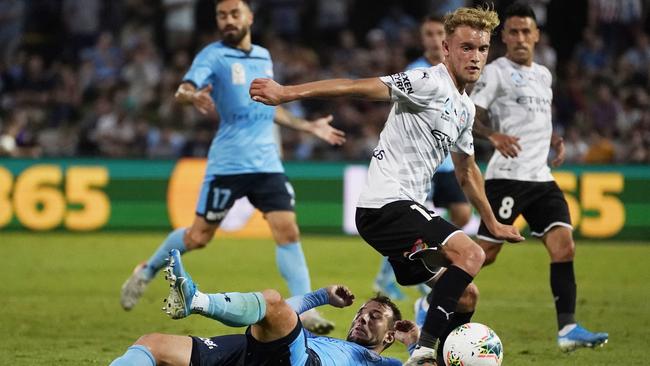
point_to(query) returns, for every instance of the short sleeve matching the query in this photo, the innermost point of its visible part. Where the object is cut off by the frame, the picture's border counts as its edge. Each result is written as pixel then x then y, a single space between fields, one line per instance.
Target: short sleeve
pixel 201 73
pixel 486 88
pixel 465 141
pixel 417 87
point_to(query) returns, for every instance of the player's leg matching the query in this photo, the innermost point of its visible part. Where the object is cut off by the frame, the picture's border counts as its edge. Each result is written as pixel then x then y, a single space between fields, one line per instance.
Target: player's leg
pixel 274 196
pixel 549 219
pixel 385 282
pixel 212 207
pixel 274 326
pixel 157 349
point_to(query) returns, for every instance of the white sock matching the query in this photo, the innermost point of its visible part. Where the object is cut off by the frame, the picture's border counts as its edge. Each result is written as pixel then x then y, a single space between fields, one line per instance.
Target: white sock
pixel 566 329
pixel 200 302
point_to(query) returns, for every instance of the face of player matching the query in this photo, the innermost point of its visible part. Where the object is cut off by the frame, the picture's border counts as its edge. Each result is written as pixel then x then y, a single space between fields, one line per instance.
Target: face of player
pixel 520 35
pixel 371 326
pixel 432 33
pixel 234 20
pixel 466 51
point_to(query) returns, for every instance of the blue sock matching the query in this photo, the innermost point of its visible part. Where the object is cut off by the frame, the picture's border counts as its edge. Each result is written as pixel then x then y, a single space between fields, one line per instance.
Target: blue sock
pixel 293 268
pixel 386 274
pixel 137 355
pixel 235 309
pixel 302 303
pixel 158 260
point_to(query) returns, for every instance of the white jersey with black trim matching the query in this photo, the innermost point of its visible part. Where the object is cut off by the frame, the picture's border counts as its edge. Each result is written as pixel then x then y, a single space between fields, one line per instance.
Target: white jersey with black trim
pixel 428 119
pixel 518 99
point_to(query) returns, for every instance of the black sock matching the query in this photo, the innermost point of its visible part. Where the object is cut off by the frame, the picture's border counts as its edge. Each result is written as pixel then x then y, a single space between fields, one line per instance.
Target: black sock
pixel 448 289
pixel 457 320
pixel 563 286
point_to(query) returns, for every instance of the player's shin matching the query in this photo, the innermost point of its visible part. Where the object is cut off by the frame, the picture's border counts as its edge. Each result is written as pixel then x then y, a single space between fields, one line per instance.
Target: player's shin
pixel 235 309
pixel 158 260
pixel 447 291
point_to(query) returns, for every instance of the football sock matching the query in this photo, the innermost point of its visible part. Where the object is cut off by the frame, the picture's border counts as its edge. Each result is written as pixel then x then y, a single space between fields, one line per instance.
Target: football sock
pixel 159 258
pixel 293 268
pixel 302 303
pixel 456 320
pixel 563 286
pixel 445 295
pixel 235 309
pixel 135 355
pixel 386 274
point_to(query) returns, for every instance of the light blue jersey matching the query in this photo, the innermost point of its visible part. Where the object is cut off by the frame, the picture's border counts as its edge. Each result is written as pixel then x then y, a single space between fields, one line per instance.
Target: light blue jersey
pixel 337 352
pixel 244 142
pixel 447 165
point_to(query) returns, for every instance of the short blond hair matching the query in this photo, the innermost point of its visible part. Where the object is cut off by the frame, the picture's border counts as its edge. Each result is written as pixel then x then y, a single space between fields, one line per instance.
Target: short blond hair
pixel 481 18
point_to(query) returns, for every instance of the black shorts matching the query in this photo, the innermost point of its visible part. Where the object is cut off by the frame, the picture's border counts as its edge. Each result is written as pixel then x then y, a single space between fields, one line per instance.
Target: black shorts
pixel 404 227
pixel 446 190
pixel 244 350
pixel 266 191
pixel 541 203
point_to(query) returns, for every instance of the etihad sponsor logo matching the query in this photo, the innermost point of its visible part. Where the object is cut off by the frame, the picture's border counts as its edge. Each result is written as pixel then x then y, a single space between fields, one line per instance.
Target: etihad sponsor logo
pixel 525 100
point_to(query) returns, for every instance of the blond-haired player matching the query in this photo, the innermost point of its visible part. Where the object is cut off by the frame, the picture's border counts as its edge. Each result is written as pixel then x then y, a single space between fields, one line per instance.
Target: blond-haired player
pixel 431 117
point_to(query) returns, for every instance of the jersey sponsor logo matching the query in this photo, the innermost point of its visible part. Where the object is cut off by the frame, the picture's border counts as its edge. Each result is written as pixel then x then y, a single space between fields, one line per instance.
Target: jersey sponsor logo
pixel 238 74
pixel 402 82
pixel 378 153
pixel 525 99
pixel 443 141
pixel 518 78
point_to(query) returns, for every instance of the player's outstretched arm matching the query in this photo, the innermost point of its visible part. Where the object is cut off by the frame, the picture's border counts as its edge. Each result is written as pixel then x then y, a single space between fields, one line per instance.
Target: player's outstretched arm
pixel 270 92
pixel 471 181
pixel 319 127
pixel 507 145
pixel 200 98
pixel 335 295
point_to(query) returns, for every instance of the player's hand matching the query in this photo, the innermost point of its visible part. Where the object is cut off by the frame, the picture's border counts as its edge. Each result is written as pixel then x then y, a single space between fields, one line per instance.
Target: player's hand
pixel 506 232
pixel 202 100
pixel 406 332
pixel 507 145
pixel 340 296
pixel 322 129
pixel 558 146
pixel 267 91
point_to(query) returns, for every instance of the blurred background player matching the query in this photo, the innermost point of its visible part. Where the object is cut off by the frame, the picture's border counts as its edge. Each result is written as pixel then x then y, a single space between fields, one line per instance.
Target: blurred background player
pixel 274 335
pixel 431 117
pixel 515 94
pixel 243 159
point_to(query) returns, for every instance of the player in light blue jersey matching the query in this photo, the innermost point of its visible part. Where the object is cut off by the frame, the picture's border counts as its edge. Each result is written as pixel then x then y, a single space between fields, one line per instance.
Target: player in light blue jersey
pixel 274 334
pixel 244 158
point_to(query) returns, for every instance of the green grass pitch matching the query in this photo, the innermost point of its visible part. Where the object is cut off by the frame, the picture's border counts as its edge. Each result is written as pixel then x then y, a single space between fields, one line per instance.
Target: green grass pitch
pixel 59 294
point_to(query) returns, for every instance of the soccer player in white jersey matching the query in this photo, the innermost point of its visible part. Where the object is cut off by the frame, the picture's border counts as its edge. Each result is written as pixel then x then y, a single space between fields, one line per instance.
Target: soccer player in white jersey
pixel 515 93
pixel 431 116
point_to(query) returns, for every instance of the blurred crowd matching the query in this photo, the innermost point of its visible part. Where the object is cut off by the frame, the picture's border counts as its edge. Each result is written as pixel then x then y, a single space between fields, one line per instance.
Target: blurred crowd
pixel 97 78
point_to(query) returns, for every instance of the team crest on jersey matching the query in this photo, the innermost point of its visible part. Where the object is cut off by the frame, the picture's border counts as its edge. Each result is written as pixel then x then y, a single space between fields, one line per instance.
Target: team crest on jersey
pixel 463 117
pixel 238 74
pixel 518 78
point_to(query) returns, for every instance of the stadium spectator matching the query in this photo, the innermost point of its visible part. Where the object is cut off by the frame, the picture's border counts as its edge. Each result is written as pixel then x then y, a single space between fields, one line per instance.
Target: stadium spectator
pixel 274 334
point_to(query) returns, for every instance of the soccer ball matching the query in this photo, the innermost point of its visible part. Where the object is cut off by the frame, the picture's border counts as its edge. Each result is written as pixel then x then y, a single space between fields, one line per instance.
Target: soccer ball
pixel 473 344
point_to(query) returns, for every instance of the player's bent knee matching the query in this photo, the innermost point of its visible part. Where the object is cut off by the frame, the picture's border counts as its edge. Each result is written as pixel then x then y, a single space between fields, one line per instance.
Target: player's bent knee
pixel 198 239
pixel 272 298
pixel 565 252
pixel 152 341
